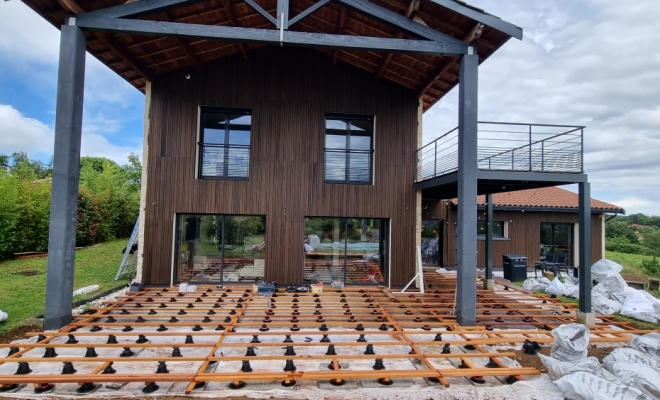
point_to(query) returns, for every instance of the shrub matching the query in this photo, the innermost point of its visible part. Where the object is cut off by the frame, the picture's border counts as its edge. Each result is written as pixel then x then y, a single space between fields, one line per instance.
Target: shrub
pixel 652 266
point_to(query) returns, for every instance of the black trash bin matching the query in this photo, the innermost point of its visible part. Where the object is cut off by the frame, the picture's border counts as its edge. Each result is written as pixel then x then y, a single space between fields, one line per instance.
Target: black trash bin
pixel 515 267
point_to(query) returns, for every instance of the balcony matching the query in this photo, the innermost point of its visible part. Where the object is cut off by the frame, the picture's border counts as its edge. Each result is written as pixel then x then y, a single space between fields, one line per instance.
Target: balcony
pixel 507 147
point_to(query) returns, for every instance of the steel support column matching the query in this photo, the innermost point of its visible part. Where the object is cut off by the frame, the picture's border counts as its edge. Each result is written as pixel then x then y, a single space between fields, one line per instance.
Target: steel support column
pixel 488 283
pixel 466 240
pixel 66 172
pixel 584 232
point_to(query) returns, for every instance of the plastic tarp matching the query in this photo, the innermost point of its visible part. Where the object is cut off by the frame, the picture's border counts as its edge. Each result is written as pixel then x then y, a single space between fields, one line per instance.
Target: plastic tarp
pixel 641 305
pixel 603 268
pixel 608 296
pixel 536 283
pixel 572 291
pixel 3 316
pixel 571 341
pixel 585 386
pixel 555 287
pixel 648 344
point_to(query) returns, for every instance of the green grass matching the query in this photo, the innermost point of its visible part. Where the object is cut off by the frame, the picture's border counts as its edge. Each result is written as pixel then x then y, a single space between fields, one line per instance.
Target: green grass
pixel 23 297
pixel 637 323
pixel 632 263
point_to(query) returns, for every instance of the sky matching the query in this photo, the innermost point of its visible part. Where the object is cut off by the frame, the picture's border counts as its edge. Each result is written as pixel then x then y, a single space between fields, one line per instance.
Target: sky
pixel 581 62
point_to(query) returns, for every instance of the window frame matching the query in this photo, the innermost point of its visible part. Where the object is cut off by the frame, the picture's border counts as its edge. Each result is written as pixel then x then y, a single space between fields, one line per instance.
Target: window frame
pixel 348 150
pixel 203 110
pixel 495 236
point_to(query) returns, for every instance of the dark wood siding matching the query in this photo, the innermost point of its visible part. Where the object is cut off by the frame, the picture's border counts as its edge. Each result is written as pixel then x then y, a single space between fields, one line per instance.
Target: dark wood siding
pixel 289 92
pixel 524 234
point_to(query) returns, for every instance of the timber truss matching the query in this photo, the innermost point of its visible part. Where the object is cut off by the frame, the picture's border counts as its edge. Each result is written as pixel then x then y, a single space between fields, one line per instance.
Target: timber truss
pixel 214 339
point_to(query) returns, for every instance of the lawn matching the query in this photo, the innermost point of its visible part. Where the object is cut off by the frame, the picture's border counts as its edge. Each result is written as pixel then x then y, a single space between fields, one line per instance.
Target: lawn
pixel 24 296
pixel 631 262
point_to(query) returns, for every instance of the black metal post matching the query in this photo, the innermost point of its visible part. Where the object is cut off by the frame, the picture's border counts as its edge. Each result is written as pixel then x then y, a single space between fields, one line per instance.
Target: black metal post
pixel 584 230
pixel 489 236
pixel 66 173
pixel 466 241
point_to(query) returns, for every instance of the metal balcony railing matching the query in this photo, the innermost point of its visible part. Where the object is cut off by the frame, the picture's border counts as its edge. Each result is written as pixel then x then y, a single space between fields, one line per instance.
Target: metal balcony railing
pixel 506 146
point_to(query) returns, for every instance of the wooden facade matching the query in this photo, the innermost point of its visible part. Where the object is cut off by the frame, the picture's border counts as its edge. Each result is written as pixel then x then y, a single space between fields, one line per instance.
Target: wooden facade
pixel 289 91
pixel 524 231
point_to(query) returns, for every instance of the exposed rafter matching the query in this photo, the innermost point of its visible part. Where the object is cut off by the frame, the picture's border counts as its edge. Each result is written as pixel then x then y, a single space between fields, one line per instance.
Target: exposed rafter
pixel 73 7
pixel 474 33
pixel 412 7
pixel 232 20
pixel 340 29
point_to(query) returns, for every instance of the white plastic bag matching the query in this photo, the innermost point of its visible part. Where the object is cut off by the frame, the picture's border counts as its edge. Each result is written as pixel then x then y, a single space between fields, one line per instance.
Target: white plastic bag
pixel 586 386
pixel 632 356
pixel 572 291
pixel 627 373
pixel 602 305
pixel 555 287
pixel 641 305
pixel 603 268
pixel 536 283
pixel 557 369
pixel 3 316
pixel 647 387
pixel 613 287
pixel 649 344
pixel 571 341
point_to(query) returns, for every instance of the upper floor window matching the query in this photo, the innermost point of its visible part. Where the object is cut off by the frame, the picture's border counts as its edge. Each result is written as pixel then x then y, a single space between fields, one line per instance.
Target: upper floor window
pixel 224 143
pixel 348 148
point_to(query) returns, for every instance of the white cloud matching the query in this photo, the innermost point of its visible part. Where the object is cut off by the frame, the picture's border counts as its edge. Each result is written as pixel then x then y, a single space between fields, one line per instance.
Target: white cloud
pixel 20 133
pixel 588 62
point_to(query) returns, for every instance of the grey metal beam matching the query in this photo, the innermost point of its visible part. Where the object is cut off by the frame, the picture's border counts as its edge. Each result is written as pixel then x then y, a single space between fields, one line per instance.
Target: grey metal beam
pixel 268 36
pixel 584 245
pixel 263 12
pixel 282 14
pixel 489 236
pixel 307 12
pixel 482 17
pixel 139 8
pixel 548 209
pixel 399 21
pixel 438 181
pixel 66 173
pixel 559 177
pixel 466 241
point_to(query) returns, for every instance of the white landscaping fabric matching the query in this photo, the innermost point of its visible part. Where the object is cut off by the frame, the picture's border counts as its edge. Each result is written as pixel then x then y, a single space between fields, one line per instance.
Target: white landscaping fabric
pixel 3 316
pixel 603 268
pixel 555 287
pixel 649 344
pixel 571 341
pixel 586 386
pixel 608 296
pixel 572 291
pixel 536 283
pixel 641 305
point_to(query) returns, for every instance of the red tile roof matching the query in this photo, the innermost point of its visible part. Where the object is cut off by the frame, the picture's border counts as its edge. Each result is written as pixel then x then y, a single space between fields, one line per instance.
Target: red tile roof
pixel 552 197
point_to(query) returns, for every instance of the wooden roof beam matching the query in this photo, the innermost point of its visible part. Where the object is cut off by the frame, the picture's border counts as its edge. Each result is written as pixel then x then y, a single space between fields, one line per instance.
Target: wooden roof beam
pixel 340 28
pixel 73 7
pixel 186 47
pixel 412 7
pixel 232 19
pixel 474 33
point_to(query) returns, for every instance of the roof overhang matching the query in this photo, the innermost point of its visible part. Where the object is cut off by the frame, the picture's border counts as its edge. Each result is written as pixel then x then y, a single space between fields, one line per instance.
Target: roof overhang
pixel 414 43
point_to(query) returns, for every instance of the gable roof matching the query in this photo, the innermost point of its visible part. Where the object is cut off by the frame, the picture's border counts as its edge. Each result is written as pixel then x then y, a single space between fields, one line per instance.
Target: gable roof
pixel 547 197
pixel 138 59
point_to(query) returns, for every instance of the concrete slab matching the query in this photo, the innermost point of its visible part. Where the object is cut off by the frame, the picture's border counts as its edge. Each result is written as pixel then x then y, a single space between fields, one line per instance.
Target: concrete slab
pixel 350 384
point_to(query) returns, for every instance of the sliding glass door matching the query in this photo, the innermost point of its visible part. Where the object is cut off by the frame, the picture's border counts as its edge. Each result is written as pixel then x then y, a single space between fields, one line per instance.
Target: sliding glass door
pixel 349 250
pixel 557 239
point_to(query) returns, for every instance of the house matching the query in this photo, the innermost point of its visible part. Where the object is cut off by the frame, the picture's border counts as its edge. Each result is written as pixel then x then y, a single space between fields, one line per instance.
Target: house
pixel 282 138
pixel 529 222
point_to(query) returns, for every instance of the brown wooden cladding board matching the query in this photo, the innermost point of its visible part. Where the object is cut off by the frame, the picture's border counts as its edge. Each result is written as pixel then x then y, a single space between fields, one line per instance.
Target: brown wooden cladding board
pixel 289 92
pixel 524 232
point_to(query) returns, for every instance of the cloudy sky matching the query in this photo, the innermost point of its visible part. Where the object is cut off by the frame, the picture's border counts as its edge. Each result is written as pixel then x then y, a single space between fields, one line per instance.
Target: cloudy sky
pixel 581 62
